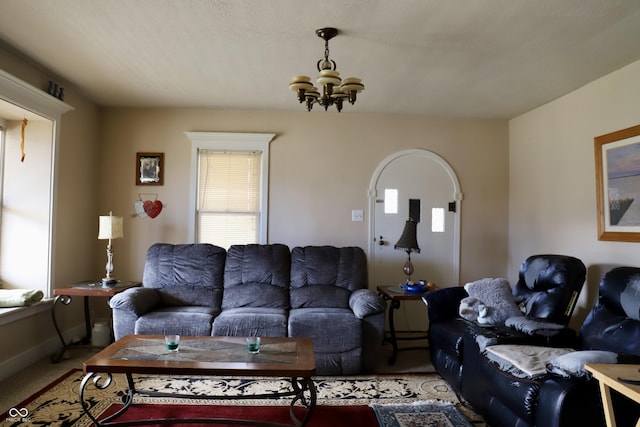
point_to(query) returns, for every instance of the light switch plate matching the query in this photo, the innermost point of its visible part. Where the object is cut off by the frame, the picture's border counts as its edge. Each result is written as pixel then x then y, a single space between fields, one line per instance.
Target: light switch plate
pixel 357 215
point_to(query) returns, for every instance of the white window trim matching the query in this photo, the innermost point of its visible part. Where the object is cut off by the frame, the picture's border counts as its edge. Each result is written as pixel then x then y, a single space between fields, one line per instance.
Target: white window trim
pixel 231 142
pixel 30 98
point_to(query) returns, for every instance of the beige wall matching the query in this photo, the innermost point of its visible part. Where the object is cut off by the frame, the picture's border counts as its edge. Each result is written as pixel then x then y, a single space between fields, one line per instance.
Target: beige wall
pixel 552 194
pixel 320 168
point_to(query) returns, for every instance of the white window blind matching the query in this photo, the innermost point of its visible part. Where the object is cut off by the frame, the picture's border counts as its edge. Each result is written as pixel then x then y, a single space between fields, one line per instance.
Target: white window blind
pixel 228 202
pixel 229 192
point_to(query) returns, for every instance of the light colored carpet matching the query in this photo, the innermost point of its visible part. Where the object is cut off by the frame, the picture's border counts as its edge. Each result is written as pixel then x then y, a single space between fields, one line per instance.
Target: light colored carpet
pixel 59 405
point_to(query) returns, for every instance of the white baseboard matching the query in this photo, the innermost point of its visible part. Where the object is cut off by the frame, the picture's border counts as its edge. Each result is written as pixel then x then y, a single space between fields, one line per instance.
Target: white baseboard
pixel 36 353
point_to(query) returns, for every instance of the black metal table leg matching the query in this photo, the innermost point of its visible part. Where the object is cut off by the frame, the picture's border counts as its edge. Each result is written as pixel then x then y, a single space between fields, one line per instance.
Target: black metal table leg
pixel 393 306
pixel 66 300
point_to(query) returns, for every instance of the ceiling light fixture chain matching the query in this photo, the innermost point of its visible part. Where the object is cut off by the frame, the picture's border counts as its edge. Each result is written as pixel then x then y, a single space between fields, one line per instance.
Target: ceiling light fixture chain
pixel 334 89
pixel 326 34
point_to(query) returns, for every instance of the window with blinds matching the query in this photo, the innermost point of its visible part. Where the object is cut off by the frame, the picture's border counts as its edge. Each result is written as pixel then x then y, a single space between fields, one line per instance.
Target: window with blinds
pixel 228 202
pixel 229 192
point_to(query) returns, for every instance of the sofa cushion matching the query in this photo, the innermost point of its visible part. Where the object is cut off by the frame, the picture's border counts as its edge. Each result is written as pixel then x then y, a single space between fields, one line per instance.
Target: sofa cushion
pixel 251 321
pixel 608 326
pixel 572 364
pixel 192 321
pixel 332 330
pixel 495 295
pixel 257 276
pixel 628 298
pixel 523 361
pixel 189 274
pixel 325 276
pixel 548 286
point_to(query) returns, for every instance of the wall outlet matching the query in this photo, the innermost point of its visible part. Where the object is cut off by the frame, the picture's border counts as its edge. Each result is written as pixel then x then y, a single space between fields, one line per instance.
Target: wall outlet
pixel 357 215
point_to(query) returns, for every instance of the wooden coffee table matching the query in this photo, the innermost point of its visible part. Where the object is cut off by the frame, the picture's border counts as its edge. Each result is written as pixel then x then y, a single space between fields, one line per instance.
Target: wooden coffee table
pixel 290 358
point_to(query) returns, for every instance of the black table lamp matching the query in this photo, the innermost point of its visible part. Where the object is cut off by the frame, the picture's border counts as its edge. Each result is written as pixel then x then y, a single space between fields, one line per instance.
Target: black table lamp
pixel 409 243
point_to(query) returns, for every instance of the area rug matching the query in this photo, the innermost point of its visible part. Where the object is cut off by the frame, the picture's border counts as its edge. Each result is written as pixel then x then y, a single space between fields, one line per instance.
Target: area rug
pixel 323 416
pixel 420 413
pixel 57 404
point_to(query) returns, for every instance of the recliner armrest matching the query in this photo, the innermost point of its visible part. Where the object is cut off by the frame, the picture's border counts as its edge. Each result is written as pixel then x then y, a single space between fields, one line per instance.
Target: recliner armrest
pixel 365 302
pixel 137 300
pixel 443 304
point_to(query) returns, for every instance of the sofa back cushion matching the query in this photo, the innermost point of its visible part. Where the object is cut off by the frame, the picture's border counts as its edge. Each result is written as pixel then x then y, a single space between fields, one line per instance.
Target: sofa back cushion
pixel 186 274
pixel 325 276
pixel 548 287
pixel 613 324
pixel 257 276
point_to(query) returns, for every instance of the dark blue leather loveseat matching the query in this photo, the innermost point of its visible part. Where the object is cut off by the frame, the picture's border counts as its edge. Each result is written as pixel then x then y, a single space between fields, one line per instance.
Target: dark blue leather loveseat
pixel 549 399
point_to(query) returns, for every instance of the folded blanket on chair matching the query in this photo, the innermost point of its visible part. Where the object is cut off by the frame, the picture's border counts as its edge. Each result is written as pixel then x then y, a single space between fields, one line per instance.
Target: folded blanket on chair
pixel 19 297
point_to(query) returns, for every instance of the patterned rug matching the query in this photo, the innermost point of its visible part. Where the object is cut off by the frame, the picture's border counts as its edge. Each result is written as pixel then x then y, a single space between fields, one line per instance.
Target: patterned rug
pixel 420 413
pixel 57 404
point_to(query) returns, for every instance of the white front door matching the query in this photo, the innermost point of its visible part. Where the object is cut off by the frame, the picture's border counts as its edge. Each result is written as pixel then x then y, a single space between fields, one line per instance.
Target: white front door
pixel 420 184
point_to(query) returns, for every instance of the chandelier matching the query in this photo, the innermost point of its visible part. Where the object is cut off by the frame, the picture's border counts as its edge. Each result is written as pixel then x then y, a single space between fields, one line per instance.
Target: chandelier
pixel 334 90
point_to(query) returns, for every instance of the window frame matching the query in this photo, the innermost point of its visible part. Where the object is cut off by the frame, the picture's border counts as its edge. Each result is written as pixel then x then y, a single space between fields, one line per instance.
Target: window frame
pixel 39 102
pixel 235 142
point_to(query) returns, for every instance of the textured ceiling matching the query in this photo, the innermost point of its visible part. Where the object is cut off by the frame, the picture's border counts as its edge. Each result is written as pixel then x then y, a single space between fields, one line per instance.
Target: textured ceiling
pixel 455 58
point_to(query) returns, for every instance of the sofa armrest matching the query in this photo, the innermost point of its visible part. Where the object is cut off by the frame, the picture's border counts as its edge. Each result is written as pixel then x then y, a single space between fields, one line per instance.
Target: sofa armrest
pixel 365 302
pixel 443 304
pixel 136 300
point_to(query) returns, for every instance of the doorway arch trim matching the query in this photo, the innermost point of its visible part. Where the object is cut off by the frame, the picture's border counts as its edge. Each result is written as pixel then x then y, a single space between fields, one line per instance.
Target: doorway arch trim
pixel 457 197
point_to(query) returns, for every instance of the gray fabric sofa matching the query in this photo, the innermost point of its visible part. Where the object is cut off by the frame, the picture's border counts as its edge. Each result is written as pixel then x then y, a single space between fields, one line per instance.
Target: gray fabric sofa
pixel 319 292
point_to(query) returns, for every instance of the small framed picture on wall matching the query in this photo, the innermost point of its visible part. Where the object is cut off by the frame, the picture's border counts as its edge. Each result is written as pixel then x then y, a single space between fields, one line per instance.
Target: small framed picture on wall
pixel 149 168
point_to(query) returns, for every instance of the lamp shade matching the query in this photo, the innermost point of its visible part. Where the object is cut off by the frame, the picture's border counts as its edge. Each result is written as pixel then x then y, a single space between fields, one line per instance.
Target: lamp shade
pixel 408 240
pixel 110 227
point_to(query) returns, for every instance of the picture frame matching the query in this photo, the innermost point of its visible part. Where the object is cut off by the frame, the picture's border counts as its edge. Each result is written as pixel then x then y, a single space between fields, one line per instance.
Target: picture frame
pixel 149 169
pixel 617 158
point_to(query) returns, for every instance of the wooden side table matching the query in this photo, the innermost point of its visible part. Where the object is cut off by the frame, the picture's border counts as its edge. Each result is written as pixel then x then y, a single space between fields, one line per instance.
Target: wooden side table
pixel 85 289
pixel 608 375
pixel 395 295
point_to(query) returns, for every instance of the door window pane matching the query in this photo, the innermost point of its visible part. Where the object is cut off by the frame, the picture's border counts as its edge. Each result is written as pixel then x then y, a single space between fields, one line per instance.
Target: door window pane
pixel 437 220
pixel 390 201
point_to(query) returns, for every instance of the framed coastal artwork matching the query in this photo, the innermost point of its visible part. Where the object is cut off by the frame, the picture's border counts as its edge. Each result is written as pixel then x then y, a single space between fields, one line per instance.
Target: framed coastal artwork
pixel 617 157
pixel 149 168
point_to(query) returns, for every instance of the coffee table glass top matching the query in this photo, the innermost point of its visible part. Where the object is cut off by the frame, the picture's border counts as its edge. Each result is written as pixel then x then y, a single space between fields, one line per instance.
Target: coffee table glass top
pixel 224 349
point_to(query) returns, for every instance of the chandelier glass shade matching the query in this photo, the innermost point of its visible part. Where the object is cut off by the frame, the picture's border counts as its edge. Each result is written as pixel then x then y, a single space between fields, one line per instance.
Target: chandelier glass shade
pixel 334 90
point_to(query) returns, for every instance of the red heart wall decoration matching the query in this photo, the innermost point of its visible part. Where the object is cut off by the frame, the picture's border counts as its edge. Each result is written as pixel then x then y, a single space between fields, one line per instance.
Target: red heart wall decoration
pixel 152 209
